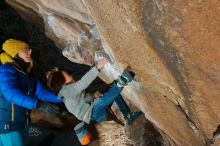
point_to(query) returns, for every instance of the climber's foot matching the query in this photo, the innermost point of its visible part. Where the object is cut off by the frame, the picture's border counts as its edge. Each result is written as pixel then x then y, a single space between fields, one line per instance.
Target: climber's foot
pixel 132 117
pixel 125 77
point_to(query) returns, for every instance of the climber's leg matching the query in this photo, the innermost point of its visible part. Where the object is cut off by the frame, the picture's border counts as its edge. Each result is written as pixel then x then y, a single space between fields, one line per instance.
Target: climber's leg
pixel 99 109
pixel 129 116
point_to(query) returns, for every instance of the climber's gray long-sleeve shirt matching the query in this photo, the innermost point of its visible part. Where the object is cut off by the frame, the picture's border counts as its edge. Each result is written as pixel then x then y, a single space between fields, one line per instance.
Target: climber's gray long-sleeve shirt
pixel 74 96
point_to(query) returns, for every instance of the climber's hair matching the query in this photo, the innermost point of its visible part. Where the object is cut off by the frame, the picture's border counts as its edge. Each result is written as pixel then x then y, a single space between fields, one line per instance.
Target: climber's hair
pixel 55 80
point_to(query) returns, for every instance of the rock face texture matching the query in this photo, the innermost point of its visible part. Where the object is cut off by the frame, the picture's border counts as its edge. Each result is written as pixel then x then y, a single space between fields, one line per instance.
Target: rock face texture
pixel 171 45
pixel 110 136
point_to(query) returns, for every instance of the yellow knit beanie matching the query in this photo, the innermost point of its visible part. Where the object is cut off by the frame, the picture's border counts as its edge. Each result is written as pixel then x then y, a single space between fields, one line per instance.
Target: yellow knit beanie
pixel 4 57
pixel 12 47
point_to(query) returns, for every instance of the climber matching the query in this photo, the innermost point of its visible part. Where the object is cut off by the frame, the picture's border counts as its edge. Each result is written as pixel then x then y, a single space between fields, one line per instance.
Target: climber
pixel 81 104
pixel 20 90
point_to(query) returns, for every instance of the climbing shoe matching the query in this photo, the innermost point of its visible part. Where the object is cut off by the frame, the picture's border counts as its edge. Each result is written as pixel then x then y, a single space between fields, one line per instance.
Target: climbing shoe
pixel 125 77
pixel 132 117
pixel 82 133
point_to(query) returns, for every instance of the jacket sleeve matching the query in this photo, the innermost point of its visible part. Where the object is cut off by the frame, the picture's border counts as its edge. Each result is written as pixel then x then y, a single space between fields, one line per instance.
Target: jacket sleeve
pixel 11 91
pixel 46 95
pixel 85 81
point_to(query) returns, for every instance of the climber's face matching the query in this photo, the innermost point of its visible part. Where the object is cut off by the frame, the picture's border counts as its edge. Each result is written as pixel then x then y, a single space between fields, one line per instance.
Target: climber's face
pixel 25 54
pixel 68 78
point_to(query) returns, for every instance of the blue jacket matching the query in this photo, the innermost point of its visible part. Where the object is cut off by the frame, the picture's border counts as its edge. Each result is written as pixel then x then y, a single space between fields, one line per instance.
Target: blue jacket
pixel 18 92
pixel 12 117
pixel 23 89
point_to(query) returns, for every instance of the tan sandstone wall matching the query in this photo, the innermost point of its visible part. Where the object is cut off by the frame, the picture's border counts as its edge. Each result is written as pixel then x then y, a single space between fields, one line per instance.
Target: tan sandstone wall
pixel 171 45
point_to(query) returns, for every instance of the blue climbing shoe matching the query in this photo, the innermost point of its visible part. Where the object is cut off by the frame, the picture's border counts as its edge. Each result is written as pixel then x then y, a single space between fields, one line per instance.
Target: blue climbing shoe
pixel 132 117
pixel 125 77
